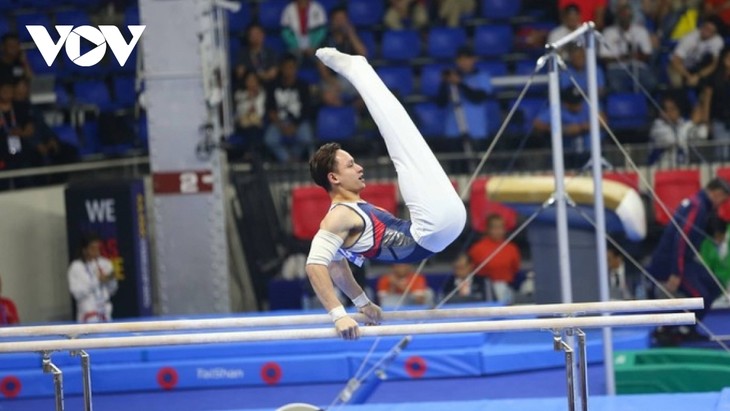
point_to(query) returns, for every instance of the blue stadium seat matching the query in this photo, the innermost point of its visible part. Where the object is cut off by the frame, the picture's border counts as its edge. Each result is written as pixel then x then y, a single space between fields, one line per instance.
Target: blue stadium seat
pixel 368 40
pixel 493 40
pixel 530 108
pixel 330 4
pixel 400 45
pixel 38 65
pixel 309 75
pixel 398 79
pixel 237 22
pixel 62 97
pixel 365 13
pixel 92 92
pixel 526 67
pixel 67 134
pixel 4 25
pixel 431 78
pixel 73 17
pixel 336 123
pixel 501 9
pixel 125 96
pixel 130 66
pixel 494 68
pixel 430 119
pixel 494 117
pixel 90 137
pixel 131 16
pixel 275 43
pixel 443 42
pixel 626 110
pixel 270 13
pixel 22 20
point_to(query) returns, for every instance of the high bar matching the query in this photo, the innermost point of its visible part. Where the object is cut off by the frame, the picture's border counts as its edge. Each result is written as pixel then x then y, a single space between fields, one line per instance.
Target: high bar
pixel 571 36
pixel 415 315
pixel 371 331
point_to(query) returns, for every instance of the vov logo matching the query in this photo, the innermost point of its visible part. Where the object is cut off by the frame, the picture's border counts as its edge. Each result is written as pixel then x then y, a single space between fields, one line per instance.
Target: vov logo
pixel 71 38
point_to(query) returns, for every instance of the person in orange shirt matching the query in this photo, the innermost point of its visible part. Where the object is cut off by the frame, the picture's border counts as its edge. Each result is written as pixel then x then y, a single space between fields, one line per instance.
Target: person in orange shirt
pixel 8 312
pixel 502 267
pixel 392 285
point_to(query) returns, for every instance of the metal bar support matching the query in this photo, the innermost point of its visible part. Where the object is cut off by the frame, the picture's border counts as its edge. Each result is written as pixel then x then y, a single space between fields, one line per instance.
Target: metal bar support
pixel 50 367
pixel 86 377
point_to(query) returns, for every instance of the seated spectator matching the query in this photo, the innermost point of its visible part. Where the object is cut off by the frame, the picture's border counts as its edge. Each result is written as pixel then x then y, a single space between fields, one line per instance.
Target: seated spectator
pixel 626 282
pixel 676 19
pixel 570 20
pixel 406 14
pixel 336 90
pixel 714 250
pixel 590 10
pixel 627 46
pixel 715 98
pixel 465 90
pixel 468 289
pixel 501 267
pixel 8 311
pixel 577 70
pixel 16 130
pixel 696 56
pixel 289 133
pixel 250 105
pixel 643 12
pixel 13 63
pixel 671 134
pixel 304 28
pixel 392 286
pixel 92 282
pixel 256 57
pixel 451 11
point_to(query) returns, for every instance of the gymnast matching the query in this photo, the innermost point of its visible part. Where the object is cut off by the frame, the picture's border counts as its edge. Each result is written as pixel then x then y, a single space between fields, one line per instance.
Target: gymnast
pixel 355 230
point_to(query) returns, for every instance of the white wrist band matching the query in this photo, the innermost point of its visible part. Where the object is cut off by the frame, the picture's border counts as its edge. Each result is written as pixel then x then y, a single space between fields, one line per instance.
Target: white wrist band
pixel 361 300
pixel 337 313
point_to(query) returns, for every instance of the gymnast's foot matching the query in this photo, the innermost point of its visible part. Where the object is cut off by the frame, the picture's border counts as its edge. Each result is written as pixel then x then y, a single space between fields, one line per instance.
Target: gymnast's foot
pixel 337 61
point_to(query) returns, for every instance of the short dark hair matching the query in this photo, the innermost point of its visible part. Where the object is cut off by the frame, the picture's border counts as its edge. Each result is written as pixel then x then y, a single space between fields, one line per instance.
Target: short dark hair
pixel 611 248
pixel 322 163
pixel 289 58
pixel 492 218
pixel 9 36
pixel 718 183
pixel 338 9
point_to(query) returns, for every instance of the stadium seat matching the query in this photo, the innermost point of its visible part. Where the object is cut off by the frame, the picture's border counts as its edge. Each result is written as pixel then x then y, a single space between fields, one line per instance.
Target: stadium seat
pixel 90 137
pixel 368 40
pixel 398 79
pixel 4 25
pixel 309 205
pixel 237 22
pixel 38 64
pixel 22 20
pixel 385 195
pixel 131 16
pixel 480 207
pixel 364 13
pixel 330 4
pixel 62 97
pixel 628 178
pixel 529 109
pixel 431 78
pixel 671 187
pixel 494 68
pixel 400 45
pixel 270 13
pixel 309 75
pixel 276 43
pixel 627 111
pixel 430 119
pixel 92 92
pixel 527 67
pixel 493 40
pixel 125 95
pixel 67 134
pixel 73 17
pixel 501 9
pixel 443 42
pixel 336 123
pixel 494 117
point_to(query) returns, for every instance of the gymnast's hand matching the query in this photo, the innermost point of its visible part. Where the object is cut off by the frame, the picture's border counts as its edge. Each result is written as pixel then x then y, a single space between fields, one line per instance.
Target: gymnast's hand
pixel 373 312
pixel 347 328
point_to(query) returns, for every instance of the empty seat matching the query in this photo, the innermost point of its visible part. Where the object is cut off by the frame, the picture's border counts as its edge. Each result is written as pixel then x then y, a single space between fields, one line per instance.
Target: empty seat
pixel 400 45
pixel 309 75
pixel 336 123
pixel 443 42
pixel 39 65
pixel 480 207
pixel 131 16
pixel 92 92
pixel 494 68
pixel 125 96
pixel 627 110
pixel 494 117
pixel 528 110
pixel 73 17
pixel 628 178
pixel 66 134
pixel 270 13
pixel 430 119
pixel 383 195
pixel 368 40
pixel 238 21
pixel 309 205
pixel 364 13
pixel 36 19
pixel 493 40
pixel 501 9
pixel 671 187
pixel 398 79
pixel 431 75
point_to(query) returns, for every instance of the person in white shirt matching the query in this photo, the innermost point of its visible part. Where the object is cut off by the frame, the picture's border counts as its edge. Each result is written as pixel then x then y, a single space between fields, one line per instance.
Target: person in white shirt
pixel 92 282
pixel 627 45
pixel 696 55
pixel 304 27
pixel 570 19
pixel 671 132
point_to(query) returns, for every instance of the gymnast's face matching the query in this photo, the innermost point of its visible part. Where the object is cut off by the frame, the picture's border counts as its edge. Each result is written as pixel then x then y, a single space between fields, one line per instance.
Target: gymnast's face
pixel 348 174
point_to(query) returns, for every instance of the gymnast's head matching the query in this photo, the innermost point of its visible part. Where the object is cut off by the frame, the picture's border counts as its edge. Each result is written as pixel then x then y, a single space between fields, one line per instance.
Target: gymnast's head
pixel 334 169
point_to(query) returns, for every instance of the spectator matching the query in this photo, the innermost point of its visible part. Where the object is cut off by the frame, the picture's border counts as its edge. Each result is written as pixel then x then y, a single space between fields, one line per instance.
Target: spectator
pixel 468 289
pixel 590 10
pixel 250 103
pixel 92 282
pixel 16 130
pixel 289 133
pixel 13 64
pixel 696 56
pixel 676 19
pixel 406 14
pixel 451 11
pixel 392 286
pixel 627 46
pixel 8 311
pixel 674 263
pixel 671 133
pixel 304 27
pixel 625 282
pixel 718 8
pixel 570 20
pixel 502 266
pixel 577 69
pixel 464 90
pixel 642 11
pixel 256 57
pixel 715 99
pixel 714 250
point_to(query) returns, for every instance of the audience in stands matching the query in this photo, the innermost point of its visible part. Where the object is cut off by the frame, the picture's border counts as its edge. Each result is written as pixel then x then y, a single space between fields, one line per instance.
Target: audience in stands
pixel 715 101
pixel 626 282
pixel 675 19
pixel 13 63
pixel 304 28
pixel 289 133
pixel 467 289
pixel 16 130
pixel 718 8
pixel 696 55
pixel 452 11
pixel 406 14
pixel 590 10
pixel 8 311
pixel 464 90
pixel 401 278
pixel 671 133
pixel 642 11
pixel 502 266
pixel 256 57
pixel 714 250
pixel 576 68
pixel 569 21
pixel 92 282
pixel 250 107
pixel 627 45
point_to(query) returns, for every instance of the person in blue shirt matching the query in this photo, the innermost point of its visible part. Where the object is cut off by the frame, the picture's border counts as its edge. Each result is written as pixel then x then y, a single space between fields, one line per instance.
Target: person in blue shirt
pixel 576 67
pixel 464 90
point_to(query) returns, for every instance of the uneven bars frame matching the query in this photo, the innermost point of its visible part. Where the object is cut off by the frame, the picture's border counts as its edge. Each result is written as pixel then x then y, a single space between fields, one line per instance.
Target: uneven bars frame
pixel 636 306
pixel 327 333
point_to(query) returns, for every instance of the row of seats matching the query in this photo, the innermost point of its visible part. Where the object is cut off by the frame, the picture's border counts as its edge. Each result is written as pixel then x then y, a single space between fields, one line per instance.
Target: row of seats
pixel 309 204
pixel 97 93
